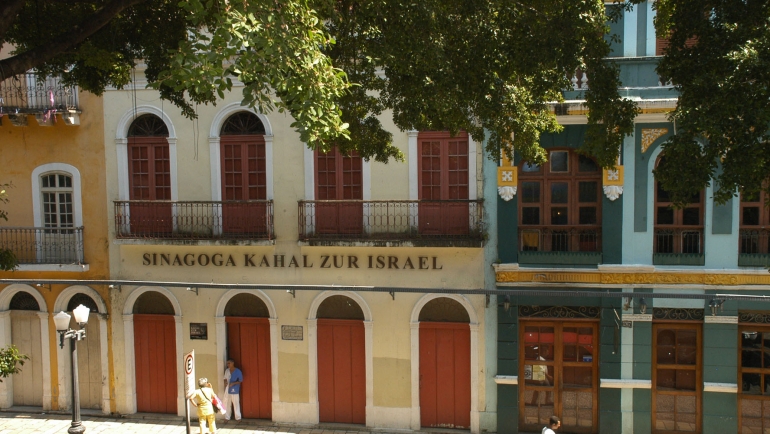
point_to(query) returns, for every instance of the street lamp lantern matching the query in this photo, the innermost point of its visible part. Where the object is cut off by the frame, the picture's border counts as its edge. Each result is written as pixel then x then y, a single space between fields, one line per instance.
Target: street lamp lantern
pixel 62 321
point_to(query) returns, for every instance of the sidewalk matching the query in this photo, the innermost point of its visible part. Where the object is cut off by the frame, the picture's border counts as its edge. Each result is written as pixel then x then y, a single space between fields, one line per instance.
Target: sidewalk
pixel 54 423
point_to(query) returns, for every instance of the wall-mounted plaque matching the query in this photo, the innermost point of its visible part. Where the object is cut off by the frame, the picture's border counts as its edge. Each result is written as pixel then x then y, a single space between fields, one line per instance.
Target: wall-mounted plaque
pixel 291 333
pixel 199 330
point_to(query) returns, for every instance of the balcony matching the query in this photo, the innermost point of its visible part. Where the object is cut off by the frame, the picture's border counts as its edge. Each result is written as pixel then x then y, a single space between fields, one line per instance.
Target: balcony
pixel 35 246
pixel 573 245
pixel 194 220
pixel 678 246
pixel 417 223
pixel 754 248
pixel 30 94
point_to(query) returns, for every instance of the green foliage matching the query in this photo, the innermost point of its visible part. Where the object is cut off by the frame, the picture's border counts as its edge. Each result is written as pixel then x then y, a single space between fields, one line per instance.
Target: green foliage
pixel 8 261
pixel 723 77
pixel 10 361
pixel 488 67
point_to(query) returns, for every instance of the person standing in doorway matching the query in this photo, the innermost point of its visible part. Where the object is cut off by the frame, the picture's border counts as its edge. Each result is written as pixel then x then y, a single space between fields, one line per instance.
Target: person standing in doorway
pixel 233 380
pixel 554 424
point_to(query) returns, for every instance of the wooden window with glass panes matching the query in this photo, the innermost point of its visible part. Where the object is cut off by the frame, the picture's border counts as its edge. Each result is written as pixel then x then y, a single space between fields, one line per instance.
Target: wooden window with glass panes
pixel 560 204
pixel 56 191
pixel 755 221
pixel 754 379
pixel 678 230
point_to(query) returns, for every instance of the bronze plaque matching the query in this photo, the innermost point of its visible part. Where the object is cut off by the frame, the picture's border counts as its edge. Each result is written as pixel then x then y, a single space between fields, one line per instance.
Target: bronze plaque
pixel 199 330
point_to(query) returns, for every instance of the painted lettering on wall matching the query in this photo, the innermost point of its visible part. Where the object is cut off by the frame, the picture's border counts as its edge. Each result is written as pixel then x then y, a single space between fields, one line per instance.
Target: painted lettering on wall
pixel 376 262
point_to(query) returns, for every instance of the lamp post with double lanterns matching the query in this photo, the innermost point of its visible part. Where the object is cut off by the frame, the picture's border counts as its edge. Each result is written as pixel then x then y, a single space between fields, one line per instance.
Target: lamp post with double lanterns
pixel 62 321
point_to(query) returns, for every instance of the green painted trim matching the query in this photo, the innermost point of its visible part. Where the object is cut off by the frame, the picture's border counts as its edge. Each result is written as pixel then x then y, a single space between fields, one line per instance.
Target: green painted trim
pixel 641 29
pixel 612 231
pixel 678 259
pixel 754 260
pixel 561 258
pixel 641 173
pixel 507 230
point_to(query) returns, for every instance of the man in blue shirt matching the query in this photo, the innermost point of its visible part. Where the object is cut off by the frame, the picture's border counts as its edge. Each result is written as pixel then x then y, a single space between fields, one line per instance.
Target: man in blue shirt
pixel 233 380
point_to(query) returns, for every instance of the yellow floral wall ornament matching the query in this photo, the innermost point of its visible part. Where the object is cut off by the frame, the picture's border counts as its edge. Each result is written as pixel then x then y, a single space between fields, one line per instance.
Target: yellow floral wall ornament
pixel 507 179
pixel 649 135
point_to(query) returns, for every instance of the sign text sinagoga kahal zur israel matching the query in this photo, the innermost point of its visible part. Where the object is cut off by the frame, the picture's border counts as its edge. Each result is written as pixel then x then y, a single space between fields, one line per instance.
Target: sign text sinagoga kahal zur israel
pixel 291 261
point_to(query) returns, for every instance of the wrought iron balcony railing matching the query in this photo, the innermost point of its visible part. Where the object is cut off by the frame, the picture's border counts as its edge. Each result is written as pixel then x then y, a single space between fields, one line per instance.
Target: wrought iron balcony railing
pixel 44 245
pixel 561 239
pixel 194 220
pixel 754 241
pixel 31 93
pixel 679 240
pixel 391 219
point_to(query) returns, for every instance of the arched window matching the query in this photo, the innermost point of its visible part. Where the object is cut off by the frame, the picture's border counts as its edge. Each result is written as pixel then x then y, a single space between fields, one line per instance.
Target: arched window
pixel 56 196
pixel 754 224
pixel 677 231
pixel 560 204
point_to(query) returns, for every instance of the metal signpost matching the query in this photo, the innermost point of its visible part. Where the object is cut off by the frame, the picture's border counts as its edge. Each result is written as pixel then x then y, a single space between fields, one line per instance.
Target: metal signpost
pixel 189 384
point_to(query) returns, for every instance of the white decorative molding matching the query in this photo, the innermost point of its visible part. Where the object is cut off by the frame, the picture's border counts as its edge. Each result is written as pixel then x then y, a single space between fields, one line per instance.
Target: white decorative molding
pixel 507 379
pixel 720 387
pixel 621 383
pixel 506 193
pixel 637 317
pixel 70 268
pixel 411 160
pixel 711 319
pixel 613 191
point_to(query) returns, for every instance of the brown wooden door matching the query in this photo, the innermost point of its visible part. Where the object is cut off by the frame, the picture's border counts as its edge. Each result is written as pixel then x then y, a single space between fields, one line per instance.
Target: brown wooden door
pixel 155 363
pixel 244 179
pixel 25 334
pixel 560 375
pixel 445 375
pixel 341 371
pixel 443 176
pixel 754 379
pixel 339 178
pixel 677 384
pixel 248 343
pixel 149 174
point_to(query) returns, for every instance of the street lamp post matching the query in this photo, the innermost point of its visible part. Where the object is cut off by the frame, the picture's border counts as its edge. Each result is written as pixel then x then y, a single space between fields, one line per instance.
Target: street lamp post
pixel 62 321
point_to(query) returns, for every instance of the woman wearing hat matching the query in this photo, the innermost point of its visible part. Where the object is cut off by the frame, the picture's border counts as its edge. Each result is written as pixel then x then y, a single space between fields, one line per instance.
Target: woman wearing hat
pixel 203 398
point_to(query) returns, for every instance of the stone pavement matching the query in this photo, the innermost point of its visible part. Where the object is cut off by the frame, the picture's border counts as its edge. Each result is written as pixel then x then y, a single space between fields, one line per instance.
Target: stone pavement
pixel 56 423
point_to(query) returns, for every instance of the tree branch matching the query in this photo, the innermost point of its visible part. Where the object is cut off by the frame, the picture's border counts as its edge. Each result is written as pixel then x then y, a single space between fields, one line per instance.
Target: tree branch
pixel 30 59
pixel 9 9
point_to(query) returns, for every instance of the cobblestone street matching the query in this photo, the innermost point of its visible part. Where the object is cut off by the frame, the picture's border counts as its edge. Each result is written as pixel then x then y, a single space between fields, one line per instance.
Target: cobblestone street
pixel 37 423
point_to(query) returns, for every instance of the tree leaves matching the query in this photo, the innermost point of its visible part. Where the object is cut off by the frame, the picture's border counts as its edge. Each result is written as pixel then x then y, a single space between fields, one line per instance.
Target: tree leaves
pixel 11 361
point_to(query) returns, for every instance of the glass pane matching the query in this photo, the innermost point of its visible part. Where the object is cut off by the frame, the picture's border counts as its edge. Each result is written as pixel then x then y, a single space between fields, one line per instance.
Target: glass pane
pixel 750 215
pixel 538 375
pixel 751 408
pixel 587 191
pixel 559 192
pixel 559 161
pixel 666 354
pixel 662 195
pixel 577 376
pixel 751 384
pixel 530 215
pixel 665 215
pixel 685 379
pixel 569 353
pixel 586 164
pixel 691 216
pixel 666 337
pixel 666 379
pixel 529 168
pixel 559 216
pixel 530 192
pixel 751 359
pixel 767 386
pixel 587 215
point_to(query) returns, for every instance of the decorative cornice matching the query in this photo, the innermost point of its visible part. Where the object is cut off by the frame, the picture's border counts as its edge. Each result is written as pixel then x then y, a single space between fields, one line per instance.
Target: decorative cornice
pixel 507 274
pixel 754 317
pixel 560 312
pixel 677 314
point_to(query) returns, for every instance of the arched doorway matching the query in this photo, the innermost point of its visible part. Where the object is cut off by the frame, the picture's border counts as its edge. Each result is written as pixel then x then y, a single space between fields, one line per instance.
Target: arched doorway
pixel 248 344
pixel 89 353
pixel 243 160
pixel 26 336
pixel 155 355
pixel 149 176
pixel 445 364
pixel 341 357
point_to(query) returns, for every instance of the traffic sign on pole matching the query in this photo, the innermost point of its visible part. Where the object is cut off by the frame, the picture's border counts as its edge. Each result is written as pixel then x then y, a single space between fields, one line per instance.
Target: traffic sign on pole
pixel 189 383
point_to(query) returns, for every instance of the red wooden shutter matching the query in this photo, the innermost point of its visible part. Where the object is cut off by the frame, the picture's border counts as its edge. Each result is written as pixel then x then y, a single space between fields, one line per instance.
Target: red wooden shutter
pixel 339 178
pixel 149 177
pixel 443 175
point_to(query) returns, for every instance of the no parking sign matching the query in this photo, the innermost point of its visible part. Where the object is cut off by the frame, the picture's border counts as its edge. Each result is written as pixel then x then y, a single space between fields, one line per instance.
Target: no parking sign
pixel 189 373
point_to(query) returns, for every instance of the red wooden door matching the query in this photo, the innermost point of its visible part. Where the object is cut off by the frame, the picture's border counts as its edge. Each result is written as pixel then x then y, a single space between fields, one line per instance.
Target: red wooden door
pixel 149 178
pixel 341 371
pixel 443 176
pixel 445 375
pixel 243 179
pixel 339 178
pixel 248 343
pixel 155 358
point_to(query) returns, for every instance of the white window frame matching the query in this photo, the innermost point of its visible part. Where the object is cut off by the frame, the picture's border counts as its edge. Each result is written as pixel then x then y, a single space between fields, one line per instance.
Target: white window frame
pixel 37 196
